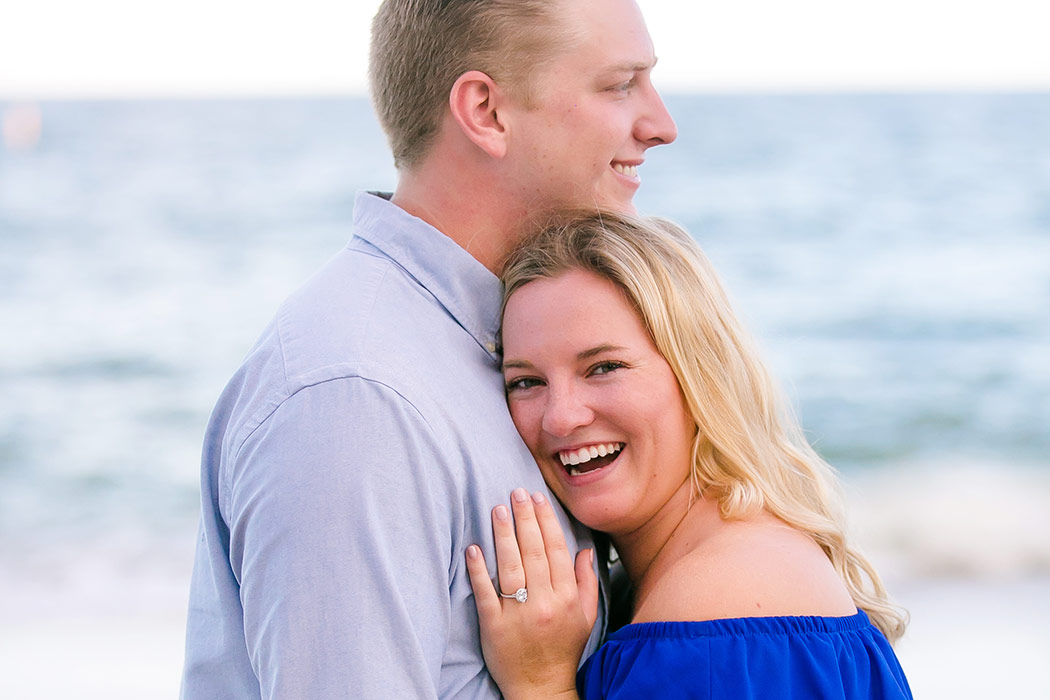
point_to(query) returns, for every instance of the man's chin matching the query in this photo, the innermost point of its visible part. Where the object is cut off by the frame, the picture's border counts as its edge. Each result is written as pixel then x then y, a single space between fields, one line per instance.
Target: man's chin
pixel 619 205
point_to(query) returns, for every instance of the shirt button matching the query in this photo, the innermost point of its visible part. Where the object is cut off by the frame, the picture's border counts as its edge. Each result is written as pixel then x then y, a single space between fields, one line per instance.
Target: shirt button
pixel 490 346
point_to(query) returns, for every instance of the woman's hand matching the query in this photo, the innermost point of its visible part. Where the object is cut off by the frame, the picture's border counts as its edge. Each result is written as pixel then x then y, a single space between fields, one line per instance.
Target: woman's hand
pixel 532 649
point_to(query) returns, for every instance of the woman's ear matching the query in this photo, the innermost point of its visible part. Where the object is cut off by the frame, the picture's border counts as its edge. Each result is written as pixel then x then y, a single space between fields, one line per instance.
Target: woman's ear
pixel 476 102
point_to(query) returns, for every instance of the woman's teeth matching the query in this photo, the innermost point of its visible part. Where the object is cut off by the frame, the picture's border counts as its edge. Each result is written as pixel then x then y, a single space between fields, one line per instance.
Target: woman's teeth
pixel 586 454
pixel 628 170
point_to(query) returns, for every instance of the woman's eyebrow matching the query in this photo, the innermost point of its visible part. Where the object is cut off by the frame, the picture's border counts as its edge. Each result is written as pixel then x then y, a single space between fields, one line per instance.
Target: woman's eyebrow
pixel 598 350
pixel 585 355
pixel 516 364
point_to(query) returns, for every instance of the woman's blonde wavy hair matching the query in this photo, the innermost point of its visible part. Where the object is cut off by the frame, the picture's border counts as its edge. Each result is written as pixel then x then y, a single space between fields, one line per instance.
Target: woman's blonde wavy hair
pixel 749 448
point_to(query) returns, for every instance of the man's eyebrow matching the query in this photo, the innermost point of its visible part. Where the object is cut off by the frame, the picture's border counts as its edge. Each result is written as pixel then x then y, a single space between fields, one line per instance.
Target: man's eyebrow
pixel 632 67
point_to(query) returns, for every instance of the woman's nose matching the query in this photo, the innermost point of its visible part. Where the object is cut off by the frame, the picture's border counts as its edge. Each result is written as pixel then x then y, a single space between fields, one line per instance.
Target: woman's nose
pixel 566 411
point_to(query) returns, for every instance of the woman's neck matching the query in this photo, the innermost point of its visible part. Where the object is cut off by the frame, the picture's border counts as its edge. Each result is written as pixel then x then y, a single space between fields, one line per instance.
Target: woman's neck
pixel 649 551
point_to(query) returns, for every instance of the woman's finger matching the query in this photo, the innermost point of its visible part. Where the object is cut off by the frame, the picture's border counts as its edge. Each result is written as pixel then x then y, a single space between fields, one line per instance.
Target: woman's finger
pixel 484 594
pixel 530 542
pixel 587 584
pixel 510 572
pixel 558 558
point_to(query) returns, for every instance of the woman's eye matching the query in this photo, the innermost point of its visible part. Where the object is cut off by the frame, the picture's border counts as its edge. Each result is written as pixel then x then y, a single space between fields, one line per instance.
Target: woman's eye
pixel 521 383
pixel 606 367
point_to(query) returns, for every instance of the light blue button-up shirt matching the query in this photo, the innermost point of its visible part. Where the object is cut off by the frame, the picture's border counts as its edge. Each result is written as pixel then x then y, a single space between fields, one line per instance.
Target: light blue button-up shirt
pixel 349 463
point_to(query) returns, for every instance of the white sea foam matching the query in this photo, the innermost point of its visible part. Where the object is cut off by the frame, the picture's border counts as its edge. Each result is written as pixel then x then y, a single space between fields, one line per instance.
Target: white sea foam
pixel 968 565
pixel 953 519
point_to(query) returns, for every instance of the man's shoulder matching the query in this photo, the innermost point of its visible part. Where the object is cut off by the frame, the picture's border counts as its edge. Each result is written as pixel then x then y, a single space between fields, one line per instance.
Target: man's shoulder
pixel 361 319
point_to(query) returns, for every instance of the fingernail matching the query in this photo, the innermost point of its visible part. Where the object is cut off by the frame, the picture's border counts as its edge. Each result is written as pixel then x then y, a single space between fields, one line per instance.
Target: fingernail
pixel 501 513
pixel 590 556
pixel 538 497
pixel 520 495
pixel 473 551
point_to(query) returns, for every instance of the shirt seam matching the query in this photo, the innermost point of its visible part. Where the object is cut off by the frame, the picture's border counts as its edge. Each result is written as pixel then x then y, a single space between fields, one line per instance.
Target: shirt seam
pixel 652 636
pixel 278 402
pixel 737 635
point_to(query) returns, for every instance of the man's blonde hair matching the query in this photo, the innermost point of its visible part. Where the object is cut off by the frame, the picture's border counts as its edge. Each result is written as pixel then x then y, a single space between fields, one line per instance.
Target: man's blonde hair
pixel 749 451
pixel 420 47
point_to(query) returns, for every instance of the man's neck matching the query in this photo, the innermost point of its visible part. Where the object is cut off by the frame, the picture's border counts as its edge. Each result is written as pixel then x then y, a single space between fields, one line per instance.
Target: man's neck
pixel 474 212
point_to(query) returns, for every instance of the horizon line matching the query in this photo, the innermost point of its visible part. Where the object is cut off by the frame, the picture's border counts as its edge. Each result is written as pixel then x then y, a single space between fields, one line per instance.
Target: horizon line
pixel 21 96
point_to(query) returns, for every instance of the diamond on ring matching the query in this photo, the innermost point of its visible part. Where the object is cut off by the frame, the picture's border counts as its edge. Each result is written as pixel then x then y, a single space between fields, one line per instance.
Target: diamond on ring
pixel 520 595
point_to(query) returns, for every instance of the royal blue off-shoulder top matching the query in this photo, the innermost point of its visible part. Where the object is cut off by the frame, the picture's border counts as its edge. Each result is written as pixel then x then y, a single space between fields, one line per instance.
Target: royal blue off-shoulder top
pixel 787 658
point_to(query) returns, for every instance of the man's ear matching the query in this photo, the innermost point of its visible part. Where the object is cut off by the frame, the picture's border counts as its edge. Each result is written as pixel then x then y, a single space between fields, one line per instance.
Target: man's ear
pixel 476 102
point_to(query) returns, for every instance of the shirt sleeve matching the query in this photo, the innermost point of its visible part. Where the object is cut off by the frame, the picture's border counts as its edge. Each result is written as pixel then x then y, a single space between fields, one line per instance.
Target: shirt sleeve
pixel 341 511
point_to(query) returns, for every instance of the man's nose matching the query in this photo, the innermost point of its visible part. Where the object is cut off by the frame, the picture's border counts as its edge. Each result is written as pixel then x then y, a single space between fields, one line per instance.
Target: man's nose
pixel 656 126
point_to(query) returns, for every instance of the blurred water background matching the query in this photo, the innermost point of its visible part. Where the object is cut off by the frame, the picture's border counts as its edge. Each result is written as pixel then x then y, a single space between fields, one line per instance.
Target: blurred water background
pixel 891 252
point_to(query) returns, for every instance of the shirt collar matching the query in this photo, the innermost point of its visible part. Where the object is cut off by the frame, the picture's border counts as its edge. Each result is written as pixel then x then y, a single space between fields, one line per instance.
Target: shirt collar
pixel 465 287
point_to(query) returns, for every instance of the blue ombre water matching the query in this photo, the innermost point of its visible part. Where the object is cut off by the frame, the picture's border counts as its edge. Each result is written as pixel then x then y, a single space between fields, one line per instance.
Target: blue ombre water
pixel 892 254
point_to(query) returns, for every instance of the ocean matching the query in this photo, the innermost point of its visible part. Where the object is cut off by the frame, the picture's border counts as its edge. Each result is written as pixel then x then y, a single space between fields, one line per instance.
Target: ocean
pixel 890 252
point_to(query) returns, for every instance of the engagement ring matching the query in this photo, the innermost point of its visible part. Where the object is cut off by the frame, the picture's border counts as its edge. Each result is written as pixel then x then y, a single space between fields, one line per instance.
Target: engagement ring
pixel 520 595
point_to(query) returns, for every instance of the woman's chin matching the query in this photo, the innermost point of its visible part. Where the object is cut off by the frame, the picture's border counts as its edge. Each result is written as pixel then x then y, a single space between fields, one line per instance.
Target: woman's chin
pixel 595 516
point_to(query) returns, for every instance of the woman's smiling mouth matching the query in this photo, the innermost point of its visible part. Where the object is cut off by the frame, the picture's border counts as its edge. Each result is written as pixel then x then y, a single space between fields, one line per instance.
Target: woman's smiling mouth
pixel 593 456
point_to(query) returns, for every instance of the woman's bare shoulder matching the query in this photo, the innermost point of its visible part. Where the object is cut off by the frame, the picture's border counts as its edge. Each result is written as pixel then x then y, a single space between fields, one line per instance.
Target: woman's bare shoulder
pixel 758 568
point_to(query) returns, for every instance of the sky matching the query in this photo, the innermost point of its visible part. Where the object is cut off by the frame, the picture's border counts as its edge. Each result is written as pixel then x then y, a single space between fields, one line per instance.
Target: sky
pixel 151 48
